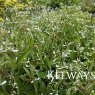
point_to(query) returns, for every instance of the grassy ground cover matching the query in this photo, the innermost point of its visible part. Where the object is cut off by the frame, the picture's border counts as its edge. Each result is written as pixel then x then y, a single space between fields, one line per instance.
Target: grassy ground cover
pixel 35 41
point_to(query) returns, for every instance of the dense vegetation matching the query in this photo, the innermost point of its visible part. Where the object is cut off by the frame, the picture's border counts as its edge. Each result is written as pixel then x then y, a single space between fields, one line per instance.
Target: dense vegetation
pixel 41 36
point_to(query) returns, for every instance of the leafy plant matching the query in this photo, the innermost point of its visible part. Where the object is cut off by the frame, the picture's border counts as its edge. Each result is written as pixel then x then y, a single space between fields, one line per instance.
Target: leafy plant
pixel 32 43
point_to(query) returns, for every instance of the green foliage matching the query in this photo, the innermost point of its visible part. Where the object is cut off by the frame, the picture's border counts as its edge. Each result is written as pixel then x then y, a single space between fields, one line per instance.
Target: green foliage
pixel 31 43
pixel 55 3
pixel 16 4
pixel 88 5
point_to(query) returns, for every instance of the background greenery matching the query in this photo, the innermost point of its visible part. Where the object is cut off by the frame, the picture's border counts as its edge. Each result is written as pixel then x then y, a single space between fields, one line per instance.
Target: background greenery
pixel 41 36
